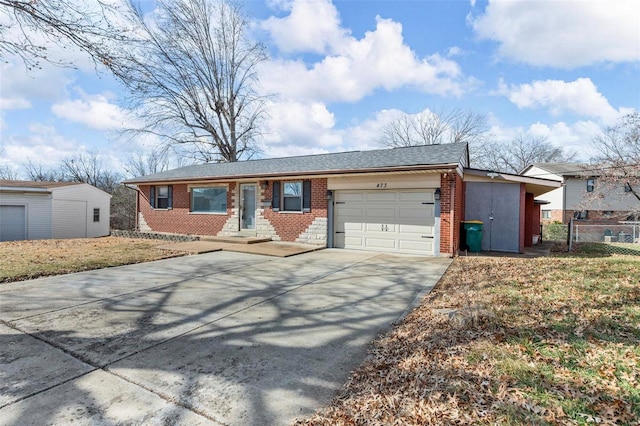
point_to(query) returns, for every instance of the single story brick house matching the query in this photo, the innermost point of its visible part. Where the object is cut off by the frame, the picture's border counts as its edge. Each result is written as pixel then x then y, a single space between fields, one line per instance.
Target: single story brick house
pixel 404 200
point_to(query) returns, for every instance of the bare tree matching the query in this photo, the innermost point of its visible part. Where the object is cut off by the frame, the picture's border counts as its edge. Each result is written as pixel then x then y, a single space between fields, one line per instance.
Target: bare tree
pixel 619 159
pixel 7 172
pixel 193 81
pixel 39 173
pixel 431 128
pixel 89 168
pixel 515 155
pixel 96 27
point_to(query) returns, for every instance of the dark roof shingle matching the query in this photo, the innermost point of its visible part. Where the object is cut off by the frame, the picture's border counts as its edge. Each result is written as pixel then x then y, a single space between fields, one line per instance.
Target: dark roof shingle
pixel 353 161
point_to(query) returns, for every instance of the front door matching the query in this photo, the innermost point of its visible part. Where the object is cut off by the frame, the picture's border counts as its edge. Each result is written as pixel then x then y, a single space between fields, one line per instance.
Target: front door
pixel 248 207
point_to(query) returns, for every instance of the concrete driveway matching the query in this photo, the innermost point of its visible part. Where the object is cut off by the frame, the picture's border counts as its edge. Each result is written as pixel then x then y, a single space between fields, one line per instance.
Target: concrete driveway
pixel 218 338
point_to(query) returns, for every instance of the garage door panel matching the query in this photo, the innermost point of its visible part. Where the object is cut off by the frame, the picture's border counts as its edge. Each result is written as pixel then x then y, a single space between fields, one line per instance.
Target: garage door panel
pixel 417 246
pixel 422 197
pixel 380 243
pixel 393 221
pixel 425 214
pixel 419 230
pixel 383 196
pixel 353 242
pixel 352 211
pixel 383 228
pixel 381 212
pixel 348 196
pixel 354 226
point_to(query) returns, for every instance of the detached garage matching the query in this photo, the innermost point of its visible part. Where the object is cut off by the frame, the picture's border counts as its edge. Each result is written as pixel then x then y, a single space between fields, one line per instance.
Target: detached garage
pixel 42 210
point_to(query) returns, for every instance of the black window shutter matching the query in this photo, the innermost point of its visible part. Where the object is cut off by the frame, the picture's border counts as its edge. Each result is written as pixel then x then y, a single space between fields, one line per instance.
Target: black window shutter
pixel 275 202
pixel 152 197
pixel 306 196
pixel 170 200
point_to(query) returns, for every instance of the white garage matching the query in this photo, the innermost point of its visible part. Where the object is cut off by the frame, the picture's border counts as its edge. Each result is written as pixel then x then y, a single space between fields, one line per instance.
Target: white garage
pixel 42 210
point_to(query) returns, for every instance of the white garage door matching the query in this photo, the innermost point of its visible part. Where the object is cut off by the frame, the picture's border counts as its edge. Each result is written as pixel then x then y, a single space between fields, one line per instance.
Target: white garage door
pixel 399 221
pixel 13 225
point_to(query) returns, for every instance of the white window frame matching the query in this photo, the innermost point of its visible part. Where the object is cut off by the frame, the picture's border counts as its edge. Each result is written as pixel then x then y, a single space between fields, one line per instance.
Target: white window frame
pixel 96 213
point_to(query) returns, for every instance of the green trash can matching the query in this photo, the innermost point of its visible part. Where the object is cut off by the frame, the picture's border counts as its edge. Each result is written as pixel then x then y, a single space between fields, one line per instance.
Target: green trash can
pixel 473 231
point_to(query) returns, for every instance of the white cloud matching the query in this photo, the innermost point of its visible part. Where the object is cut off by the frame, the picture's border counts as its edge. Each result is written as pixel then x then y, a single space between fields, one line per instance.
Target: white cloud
pixel 311 26
pixel 296 128
pixel 20 86
pixel 563 34
pixel 580 97
pixel 309 128
pixel 355 68
pixel 95 111
pixel 14 103
pixel 572 137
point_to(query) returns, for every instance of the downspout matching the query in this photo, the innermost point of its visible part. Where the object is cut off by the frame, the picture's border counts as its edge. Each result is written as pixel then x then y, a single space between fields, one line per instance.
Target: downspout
pixel 135 188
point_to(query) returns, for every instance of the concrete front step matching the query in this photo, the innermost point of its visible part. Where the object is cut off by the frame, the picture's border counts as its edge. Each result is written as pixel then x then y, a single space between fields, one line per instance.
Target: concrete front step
pixel 235 239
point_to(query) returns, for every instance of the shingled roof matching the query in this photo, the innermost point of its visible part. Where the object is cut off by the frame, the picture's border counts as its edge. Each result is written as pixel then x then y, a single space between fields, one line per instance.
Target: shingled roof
pixel 562 169
pixel 410 158
pixel 33 184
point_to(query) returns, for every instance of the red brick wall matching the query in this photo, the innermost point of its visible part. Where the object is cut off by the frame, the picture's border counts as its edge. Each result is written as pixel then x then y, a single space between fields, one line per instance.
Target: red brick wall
pixel 535 224
pixel 528 219
pixel 452 195
pixel 523 196
pixel 288 225
pixel 178 220
pixel 556 215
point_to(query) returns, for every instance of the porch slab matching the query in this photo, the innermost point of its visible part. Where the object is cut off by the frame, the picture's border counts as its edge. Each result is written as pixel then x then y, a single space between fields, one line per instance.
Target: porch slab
pixel 272 248
pixel 234 239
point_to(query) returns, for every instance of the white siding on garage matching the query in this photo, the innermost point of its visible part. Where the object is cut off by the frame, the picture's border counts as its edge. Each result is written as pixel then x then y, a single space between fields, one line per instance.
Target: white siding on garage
pixel 73 211
pixel 69 219
pixel 401 221
pixel 37 209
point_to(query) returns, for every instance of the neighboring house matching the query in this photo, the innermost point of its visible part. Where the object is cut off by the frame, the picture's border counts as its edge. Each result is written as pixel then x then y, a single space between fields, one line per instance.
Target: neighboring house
pixel 572 200
pixel 42 210
pixel 404 200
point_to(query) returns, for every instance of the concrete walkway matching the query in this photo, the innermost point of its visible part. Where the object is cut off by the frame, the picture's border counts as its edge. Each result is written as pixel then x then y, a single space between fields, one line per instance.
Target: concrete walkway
pixel 217 338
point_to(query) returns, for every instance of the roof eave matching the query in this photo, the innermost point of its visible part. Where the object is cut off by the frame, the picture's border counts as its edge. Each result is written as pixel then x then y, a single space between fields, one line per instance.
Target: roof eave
pixel 317 173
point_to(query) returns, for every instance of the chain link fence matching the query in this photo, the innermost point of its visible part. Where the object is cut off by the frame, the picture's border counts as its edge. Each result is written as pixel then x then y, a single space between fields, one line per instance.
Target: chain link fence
pixel 615 237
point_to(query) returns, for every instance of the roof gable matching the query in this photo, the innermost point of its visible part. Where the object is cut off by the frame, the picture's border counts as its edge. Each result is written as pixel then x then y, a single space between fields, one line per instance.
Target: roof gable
pixel 560 169
pixel 426 156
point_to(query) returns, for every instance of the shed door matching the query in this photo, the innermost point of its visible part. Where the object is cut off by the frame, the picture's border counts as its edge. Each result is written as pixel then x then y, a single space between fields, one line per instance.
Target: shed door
pixel 385 220
pixel 13 223
pixel 498 206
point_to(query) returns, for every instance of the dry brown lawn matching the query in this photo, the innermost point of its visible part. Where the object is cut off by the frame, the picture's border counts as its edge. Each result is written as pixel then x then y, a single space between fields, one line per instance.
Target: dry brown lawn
pixel 22 260
pixel 507 341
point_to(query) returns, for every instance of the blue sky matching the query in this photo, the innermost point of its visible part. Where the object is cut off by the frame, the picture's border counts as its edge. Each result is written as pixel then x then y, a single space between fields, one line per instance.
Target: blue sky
pixel 341 70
